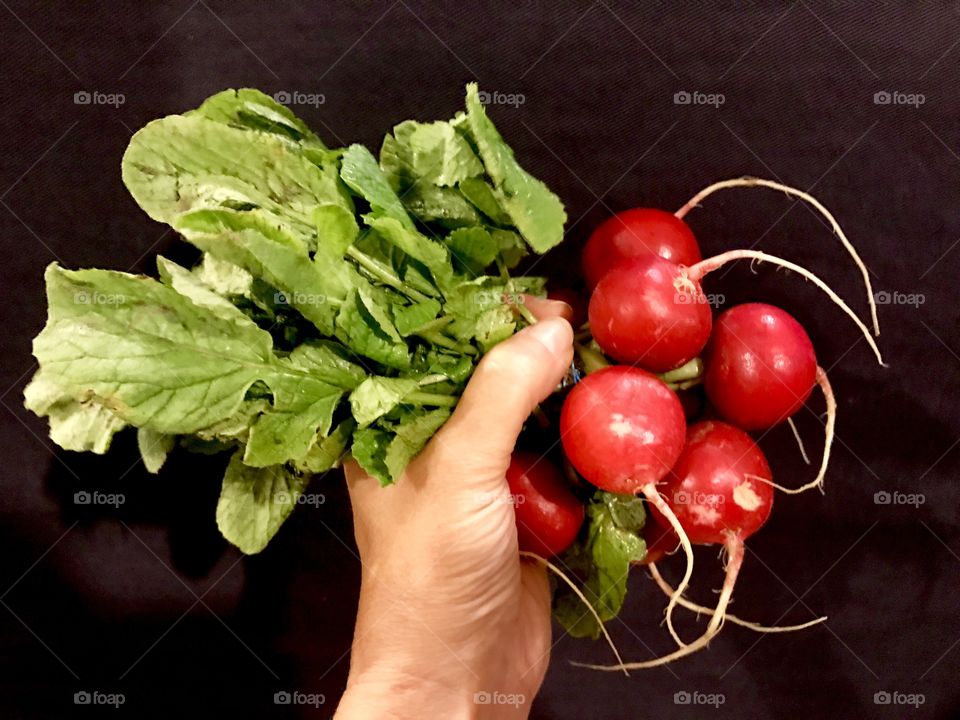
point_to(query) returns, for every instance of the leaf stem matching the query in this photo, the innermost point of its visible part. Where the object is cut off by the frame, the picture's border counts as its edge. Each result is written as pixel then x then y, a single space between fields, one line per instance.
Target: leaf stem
pixel 436 399
pixel 384 274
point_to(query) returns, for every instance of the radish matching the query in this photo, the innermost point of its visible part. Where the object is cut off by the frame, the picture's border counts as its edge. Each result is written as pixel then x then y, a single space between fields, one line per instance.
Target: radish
pixel 806 197
pixel 634 233
pixel 549 516
pixel 760 366
pixel 661 540
pixel 716 493
pixel 622 429
pixel 646 312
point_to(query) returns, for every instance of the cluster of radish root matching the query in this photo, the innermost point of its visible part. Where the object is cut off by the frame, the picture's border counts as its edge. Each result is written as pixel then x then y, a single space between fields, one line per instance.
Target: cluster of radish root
pixel 733 547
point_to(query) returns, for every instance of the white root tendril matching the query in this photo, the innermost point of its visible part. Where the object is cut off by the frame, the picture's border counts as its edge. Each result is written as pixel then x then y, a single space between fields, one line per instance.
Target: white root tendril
pixel 796 436
pixel 806 197
pixel 583 598
pixel 829 427
pixel 652 495
pixel 702 268
pixel 734 547
pixel 668 590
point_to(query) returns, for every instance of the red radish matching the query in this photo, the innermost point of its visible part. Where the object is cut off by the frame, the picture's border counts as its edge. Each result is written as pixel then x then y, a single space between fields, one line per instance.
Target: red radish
pixel 622 429
pixel 634 233
pixel 806 197
pixel 760 366
pixel 717 492
pixel 549 516
pixel 646 312
pixel 713 488
pixel 576 302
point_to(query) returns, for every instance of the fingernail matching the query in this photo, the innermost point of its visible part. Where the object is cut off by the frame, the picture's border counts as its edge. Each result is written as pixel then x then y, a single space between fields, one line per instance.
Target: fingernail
pixel 554 334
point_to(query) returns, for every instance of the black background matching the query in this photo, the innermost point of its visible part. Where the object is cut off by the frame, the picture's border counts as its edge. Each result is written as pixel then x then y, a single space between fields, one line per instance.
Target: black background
pixel 150 602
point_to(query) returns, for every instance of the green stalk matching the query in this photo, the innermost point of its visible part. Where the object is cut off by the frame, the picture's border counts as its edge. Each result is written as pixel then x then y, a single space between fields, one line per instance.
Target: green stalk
pixel 435 399
pixel 384 274
pixel 685 373
pixel 591 360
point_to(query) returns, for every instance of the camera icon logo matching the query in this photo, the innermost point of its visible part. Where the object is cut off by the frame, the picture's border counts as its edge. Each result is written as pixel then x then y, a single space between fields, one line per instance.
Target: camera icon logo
pixel 282 97
pixel 82 698
pixel 882 97
pixel 82 98
pixel 681 497
pixel 482 698
pixel 682 98
pixel 282 698
pixel 882 497
pixel 682 698
pixel 882 698
pixel 82 498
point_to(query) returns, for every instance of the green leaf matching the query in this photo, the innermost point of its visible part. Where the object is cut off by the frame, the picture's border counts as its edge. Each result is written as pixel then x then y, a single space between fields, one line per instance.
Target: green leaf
pixel 410 438
pixel 336 231
pixel 254 502
pixel 154 448
pixel 482 195
pixel 180 163
pixel 376 396
pixel 369 449
pixel 537 213
pixel 411 318
pixel 147 352
pixel 253 109
pixel 604 557
pixel 429 153
pixel 429 203
pixel 363 326
pixel 432 254
pixel 78 422
pixel 361 173
pixel 223 277
pixel 327 452
pixel 473 248
pixel 191 286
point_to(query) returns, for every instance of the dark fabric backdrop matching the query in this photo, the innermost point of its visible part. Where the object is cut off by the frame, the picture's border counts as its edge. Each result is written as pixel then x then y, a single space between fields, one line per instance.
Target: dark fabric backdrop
pixel 150 602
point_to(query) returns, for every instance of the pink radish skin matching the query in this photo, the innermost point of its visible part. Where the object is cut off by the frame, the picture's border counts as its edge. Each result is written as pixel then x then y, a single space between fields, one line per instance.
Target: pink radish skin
pixel 622 428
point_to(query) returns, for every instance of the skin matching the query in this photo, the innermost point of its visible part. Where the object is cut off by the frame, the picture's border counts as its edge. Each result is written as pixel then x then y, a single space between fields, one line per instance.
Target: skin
pixel 447 607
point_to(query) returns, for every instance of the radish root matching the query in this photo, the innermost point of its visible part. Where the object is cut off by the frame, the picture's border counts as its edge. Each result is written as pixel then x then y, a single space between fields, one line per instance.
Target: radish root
pixel 702 268
pixel 734 547
pixel 796 436
pixel 652 495
pixel 583 598
pixel 829 427
pixel 806 197
pixel 668 590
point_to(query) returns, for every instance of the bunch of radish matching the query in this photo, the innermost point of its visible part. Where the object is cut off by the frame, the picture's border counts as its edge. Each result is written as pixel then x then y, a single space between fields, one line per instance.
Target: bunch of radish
pixel 624 429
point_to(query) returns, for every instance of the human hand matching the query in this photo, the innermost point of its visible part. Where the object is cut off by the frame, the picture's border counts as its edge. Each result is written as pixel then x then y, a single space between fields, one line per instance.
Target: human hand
pixel 451 622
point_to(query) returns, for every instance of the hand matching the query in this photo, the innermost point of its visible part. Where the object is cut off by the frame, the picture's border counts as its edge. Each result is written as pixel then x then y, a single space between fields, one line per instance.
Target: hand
pixel 449 616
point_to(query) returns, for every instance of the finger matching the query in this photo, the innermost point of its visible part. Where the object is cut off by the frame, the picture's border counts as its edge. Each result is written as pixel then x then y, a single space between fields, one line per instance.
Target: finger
pixel 543 308
pixel 507 384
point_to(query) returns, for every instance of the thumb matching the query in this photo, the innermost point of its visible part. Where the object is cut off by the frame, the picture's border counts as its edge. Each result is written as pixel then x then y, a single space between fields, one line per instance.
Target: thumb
pixel 506 386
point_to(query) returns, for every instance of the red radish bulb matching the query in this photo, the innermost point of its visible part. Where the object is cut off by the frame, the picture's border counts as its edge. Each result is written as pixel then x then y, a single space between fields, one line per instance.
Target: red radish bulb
pixel 660 539
pixel 549 516
pixel 760 366
pixel 622 428
pixel 634 233
pixel 714 489
pixel 648 313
